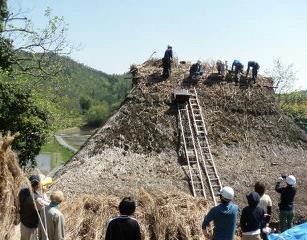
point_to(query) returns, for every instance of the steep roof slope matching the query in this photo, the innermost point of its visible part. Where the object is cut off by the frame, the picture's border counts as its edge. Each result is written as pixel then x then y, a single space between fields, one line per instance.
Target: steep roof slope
pixel 140 145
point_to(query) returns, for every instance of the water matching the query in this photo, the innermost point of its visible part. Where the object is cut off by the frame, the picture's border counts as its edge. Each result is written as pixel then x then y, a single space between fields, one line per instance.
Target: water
pixel 57 155
pixel 44 162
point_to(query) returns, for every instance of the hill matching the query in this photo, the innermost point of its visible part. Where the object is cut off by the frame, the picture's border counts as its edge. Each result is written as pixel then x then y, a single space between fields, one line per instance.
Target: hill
pixel 77 94
pixel 140 145
pixel 89 94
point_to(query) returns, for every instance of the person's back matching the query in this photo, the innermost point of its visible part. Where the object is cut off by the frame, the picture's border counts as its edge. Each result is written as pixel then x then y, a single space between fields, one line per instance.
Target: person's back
pixel 27 211
pixel 193 69
pixel 123 228
pixel 54 222
pixel 168 55
pixel 236 62
pixel 224 217
pixel 253 64
pixel 265 202
pixel 52 219
pixel 252 218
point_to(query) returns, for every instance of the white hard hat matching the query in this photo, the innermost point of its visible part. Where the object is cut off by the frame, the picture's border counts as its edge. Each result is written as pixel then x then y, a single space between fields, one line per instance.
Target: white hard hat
pixel 291 180
pixel 227 193
pixel 198 61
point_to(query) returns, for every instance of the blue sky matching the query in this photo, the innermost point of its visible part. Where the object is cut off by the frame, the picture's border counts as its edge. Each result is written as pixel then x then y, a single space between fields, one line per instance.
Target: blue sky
pixel 116 33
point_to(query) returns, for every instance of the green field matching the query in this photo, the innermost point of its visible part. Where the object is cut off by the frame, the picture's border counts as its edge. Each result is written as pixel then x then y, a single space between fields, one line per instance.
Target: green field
pixel 59 154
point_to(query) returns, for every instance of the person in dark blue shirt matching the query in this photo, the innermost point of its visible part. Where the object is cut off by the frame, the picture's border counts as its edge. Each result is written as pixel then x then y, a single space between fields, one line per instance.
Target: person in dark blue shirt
pixel 255 67
pixel 124 227
pixel 224 217
pixel 167 62
pixel 237 67
pixel 252 218
pixel 286 205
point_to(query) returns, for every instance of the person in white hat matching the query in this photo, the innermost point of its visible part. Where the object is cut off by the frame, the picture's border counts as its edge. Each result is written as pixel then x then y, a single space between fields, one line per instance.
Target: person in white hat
pixel 224 217
pixel 286 204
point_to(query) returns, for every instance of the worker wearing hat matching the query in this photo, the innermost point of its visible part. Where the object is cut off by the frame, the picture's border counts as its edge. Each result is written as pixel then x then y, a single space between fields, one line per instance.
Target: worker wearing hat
pixel 286 204
pixel 224 217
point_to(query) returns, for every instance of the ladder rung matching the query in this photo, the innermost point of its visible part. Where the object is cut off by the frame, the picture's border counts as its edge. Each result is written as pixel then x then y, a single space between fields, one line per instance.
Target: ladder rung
pixel 215 186
pixel 213 179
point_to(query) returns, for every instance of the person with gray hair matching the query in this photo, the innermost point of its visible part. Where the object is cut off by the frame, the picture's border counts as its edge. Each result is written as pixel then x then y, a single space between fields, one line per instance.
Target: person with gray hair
pixel 51 226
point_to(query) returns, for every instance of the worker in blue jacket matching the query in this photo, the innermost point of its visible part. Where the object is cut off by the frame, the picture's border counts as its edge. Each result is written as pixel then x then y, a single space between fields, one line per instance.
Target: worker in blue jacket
pixel 255 67
pixel 224 217
pixel 237 67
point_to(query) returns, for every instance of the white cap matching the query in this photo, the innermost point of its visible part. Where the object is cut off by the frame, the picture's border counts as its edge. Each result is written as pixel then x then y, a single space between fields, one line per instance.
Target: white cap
pixel 291 180
pixel 227 193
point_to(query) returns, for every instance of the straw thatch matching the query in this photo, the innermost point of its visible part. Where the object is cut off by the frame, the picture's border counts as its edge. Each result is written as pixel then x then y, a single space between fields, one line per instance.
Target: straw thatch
pixel 162 215
pixel 11 178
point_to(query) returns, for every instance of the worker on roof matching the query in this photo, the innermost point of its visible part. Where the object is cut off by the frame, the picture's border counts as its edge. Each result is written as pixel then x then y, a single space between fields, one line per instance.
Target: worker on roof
pixel 167 61
pixel 265 203
pixel 221 67
pixel 252 218
pixel 196 69
pixel 224 217
pixel 255 67
pixel 124 227
pixel 52 225
pixel 237 67
pixel 286 205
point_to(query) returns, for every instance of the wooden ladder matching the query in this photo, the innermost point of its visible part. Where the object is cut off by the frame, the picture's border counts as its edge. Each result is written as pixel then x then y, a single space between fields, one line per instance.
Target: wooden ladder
pixel 202 143
pixel 191 152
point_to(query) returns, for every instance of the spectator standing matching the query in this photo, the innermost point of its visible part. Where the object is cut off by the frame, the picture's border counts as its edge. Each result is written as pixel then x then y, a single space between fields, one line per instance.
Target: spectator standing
pixel 124 227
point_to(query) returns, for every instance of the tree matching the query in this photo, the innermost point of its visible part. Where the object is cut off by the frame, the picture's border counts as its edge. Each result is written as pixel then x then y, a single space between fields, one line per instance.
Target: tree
pixel 85 104
pixel 3 13
pixel 283 76
pixel 35 50
pixel 19 113
pixel 27 55
pixel 97 115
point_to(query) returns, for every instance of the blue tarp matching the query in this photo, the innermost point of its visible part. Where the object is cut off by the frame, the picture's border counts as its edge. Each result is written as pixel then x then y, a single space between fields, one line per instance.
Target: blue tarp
pixel 298 232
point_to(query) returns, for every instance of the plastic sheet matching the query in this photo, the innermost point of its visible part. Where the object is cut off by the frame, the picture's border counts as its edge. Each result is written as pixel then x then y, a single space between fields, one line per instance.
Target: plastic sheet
pixel 298 232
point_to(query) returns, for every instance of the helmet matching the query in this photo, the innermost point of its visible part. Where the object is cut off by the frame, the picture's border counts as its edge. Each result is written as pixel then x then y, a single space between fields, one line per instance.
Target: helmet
pixel 227 193
pixel 169 46
pixel 291 180
pixel 198 62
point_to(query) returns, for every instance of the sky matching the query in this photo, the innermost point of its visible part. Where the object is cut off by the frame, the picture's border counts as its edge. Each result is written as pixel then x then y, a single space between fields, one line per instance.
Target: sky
pixel 113 34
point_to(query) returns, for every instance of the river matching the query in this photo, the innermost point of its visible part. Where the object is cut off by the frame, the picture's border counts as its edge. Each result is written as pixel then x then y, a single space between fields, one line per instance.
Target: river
pixel 54 154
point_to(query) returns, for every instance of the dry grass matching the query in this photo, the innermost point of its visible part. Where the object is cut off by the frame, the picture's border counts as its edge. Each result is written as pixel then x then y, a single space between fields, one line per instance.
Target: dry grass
pixel 11 178
pixel 162 215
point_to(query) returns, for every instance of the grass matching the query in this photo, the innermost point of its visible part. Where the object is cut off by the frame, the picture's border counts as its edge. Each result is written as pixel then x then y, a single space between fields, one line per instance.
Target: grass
pixel 59 155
